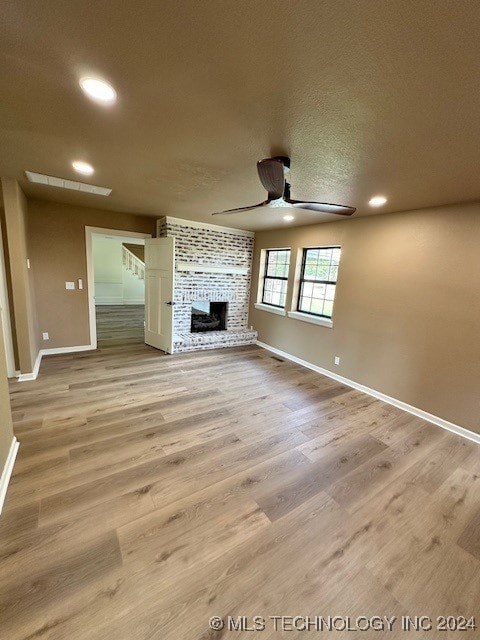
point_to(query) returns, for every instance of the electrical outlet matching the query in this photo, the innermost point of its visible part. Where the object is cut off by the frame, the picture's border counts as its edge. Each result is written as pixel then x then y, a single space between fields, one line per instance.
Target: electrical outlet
pixel 337 360
pixel 45 336
pixel 69 285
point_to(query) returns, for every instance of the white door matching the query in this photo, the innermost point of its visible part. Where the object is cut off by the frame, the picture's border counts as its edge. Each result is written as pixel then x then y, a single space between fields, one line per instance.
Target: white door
pixel 159 265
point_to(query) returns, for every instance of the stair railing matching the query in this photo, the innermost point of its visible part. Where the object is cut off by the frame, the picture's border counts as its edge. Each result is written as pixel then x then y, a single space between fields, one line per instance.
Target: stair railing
pixel 132 263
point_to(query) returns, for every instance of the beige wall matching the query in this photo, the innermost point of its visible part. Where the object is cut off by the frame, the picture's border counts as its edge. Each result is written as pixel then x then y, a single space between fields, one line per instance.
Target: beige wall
pixel 6 429
pixel 407 309
pixel 24 316
pixel 57 236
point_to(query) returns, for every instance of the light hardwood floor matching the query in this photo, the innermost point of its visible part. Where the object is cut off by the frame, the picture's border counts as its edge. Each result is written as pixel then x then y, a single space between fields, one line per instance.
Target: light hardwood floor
pixel 152 492
pixel 120 324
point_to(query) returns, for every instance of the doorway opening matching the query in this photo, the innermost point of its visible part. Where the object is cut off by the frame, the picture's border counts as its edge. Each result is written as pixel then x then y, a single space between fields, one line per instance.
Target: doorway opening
pixel 116 282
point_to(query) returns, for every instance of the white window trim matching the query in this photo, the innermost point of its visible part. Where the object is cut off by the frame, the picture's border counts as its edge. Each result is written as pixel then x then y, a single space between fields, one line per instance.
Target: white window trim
pixel 280 311
pixel 305 317
pixel 302 315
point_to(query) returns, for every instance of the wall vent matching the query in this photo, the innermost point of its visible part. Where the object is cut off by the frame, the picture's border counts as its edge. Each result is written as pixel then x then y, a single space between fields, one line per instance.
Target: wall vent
pixel 63 183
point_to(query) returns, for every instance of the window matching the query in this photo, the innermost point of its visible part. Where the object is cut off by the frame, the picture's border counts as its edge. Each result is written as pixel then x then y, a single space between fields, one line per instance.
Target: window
pixel 277 262
pixel 318 279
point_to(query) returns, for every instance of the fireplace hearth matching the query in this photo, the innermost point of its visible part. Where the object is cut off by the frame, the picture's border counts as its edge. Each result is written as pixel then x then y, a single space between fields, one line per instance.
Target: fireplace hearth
pixel 209 316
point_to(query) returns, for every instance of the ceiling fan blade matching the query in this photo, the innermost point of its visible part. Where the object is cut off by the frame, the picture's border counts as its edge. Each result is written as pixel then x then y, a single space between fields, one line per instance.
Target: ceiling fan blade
pixel 271 174
pixel 323 207
pixel 240 209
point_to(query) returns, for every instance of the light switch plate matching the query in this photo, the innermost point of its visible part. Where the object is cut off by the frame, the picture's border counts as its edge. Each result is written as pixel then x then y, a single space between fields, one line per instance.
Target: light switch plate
pixel 69 285
pixel 45 336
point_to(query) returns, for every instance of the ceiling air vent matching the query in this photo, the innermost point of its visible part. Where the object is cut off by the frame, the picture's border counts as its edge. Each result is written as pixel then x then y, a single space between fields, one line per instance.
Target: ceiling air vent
pixel 40 178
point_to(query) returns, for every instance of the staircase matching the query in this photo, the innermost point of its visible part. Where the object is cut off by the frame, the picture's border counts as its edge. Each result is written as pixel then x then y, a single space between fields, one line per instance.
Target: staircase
pixel 133 258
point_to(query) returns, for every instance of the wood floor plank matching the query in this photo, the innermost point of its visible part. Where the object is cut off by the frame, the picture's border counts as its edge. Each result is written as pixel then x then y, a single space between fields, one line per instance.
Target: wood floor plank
pixel 152 492
pixel 142 475
pixel 469 539
pixel 29 594
pixel 413 452
pixel 319 476
pixel 149 533
pixel 50 540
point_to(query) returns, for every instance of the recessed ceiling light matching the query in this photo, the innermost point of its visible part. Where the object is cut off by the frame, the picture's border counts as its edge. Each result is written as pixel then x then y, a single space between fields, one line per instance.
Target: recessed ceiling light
pixel 83 167
pixel 98 90
pixel 288 218
pixel 377 201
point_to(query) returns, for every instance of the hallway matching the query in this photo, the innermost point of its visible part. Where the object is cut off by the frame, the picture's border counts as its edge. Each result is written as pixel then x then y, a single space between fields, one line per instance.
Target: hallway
pixel 119 324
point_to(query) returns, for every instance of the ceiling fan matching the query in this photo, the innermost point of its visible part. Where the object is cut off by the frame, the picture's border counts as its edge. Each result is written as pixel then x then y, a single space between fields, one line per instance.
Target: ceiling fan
pixel 272 173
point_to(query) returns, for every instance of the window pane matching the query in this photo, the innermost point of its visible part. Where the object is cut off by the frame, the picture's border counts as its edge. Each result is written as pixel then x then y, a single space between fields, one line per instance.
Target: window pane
pixel 271 268
pixel 277 285
pixel 316 307
pixel 310 271
pixel 276 269
pixel 325 255
pixel 323 271
pixel 282 270
pixel 307 289
pixel 305 304
pixel 328 308
pixel 330 292
pixel 319 291
pixel 278 263
pixel 312 256
pixel 333 273
pixel 320 266
pixel 276 298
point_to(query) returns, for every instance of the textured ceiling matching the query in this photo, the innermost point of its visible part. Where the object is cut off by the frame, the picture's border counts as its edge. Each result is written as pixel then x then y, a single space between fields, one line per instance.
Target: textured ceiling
pixel 367 97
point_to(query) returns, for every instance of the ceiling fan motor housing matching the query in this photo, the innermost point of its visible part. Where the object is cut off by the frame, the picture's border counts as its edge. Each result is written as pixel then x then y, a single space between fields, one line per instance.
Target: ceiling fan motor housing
pixel 271 174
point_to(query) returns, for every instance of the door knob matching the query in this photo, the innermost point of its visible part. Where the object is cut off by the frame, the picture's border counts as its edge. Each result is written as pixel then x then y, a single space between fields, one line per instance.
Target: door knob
pixel 170 303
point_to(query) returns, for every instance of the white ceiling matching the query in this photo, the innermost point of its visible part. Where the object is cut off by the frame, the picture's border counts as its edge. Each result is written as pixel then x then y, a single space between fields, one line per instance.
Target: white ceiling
pixel 367 97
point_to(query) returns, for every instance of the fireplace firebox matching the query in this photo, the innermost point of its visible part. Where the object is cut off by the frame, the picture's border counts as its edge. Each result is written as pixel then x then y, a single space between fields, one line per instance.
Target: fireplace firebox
pixel 209 316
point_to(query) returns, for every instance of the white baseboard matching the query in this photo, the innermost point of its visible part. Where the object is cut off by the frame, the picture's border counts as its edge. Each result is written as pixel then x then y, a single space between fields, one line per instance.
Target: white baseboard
pixel 25 377
pixel 135 301
pixel 56 350
pixel 419 413
pixel 7 471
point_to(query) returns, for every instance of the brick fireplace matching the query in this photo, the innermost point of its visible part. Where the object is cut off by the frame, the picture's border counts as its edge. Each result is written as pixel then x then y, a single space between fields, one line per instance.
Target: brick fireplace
pixel 209 316
pixel 212 267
